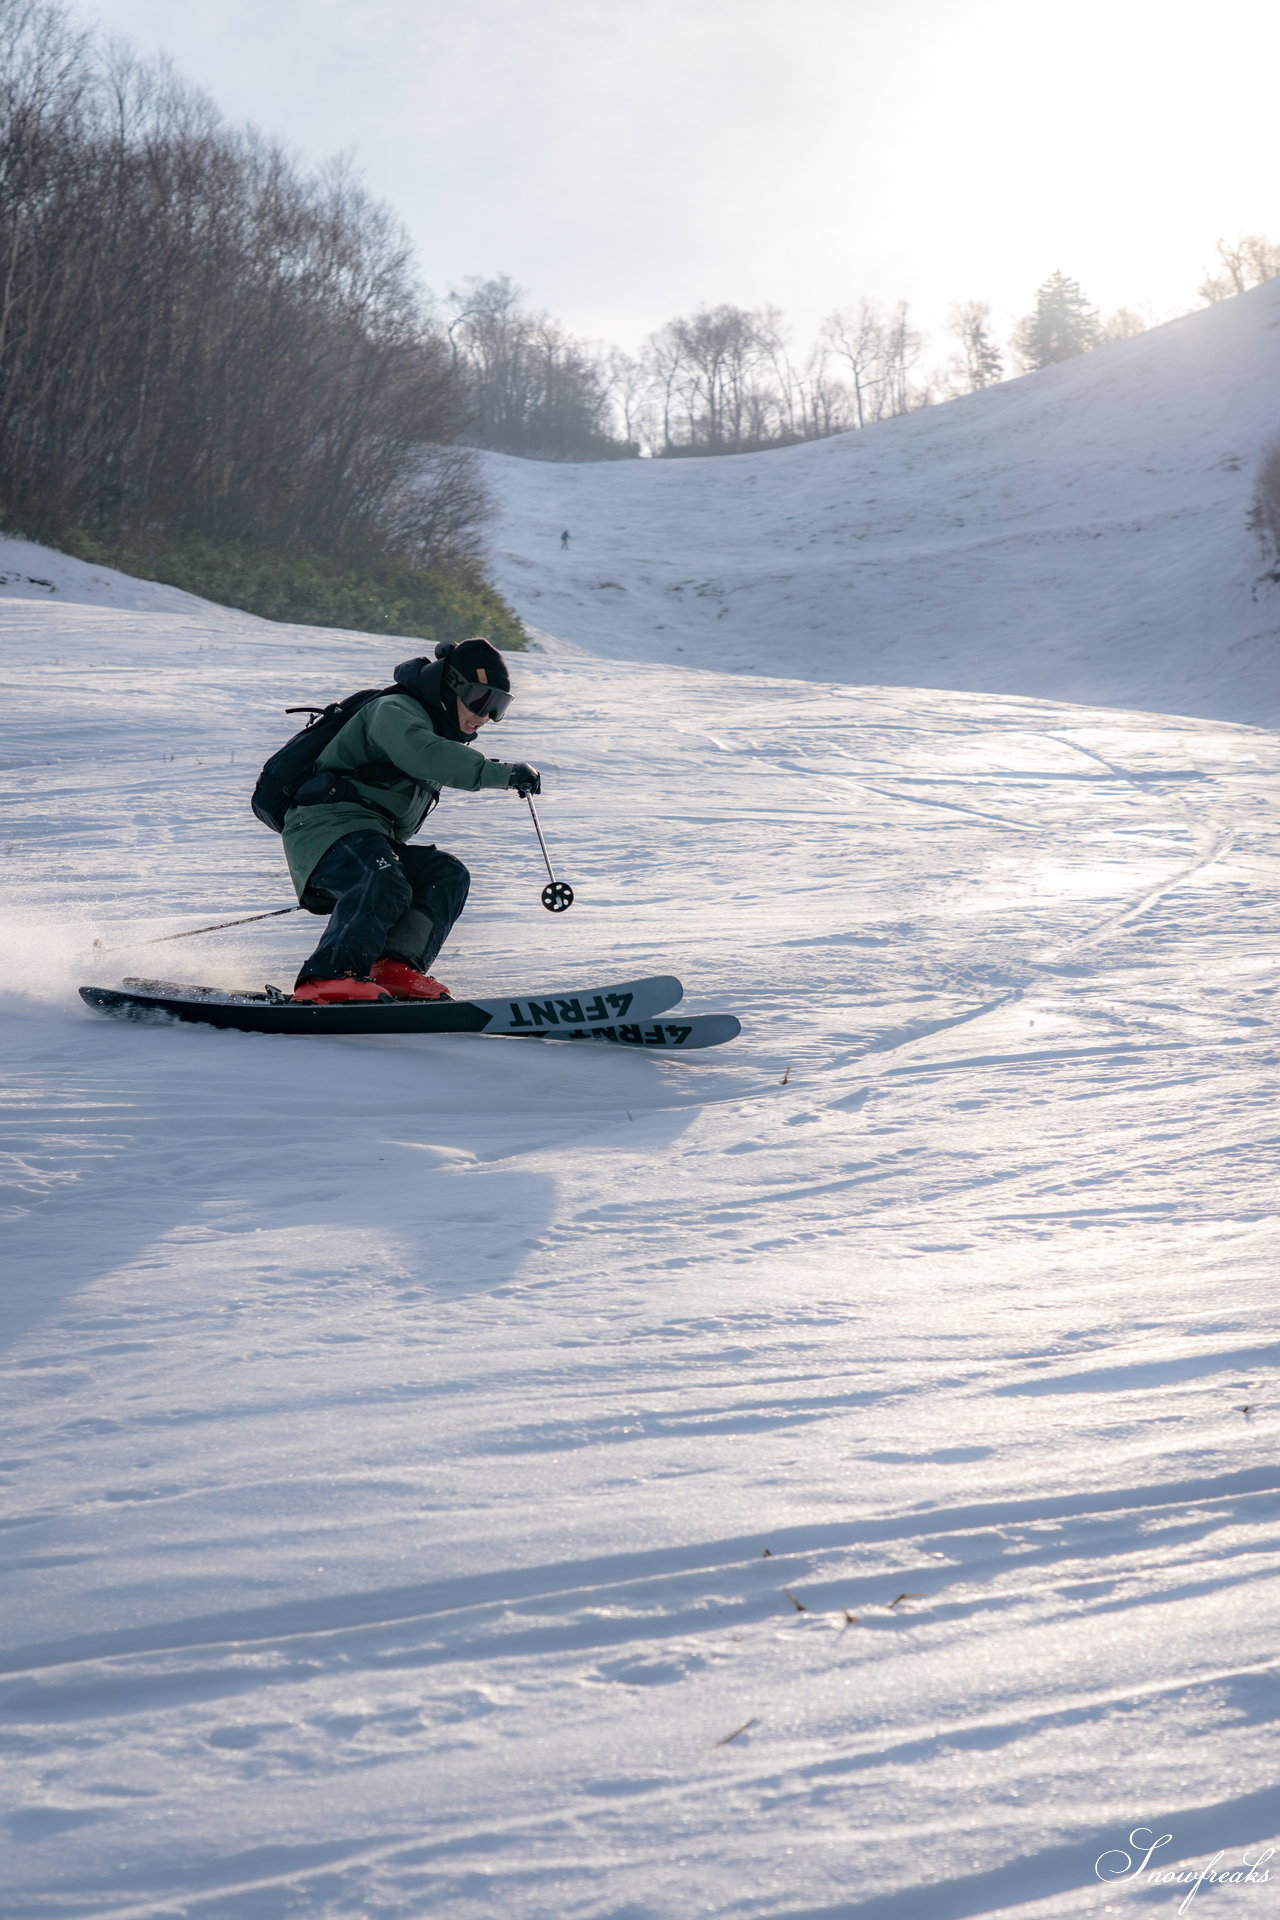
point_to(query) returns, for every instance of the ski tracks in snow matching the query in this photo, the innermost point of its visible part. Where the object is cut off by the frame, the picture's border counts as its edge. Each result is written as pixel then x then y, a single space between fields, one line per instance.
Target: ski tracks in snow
pixel 835 1643
pixel 442 1475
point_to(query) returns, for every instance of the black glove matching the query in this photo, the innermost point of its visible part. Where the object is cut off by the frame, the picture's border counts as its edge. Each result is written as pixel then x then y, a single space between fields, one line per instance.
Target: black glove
pixel 524 779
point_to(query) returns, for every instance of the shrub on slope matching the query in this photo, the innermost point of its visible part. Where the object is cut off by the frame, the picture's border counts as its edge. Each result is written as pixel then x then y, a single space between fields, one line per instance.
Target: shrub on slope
pixel 383 596
pixel 1264 514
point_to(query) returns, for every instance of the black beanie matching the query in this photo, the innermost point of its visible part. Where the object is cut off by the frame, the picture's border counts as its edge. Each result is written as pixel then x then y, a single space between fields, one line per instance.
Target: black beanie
pixel 468 656
pixel 424 679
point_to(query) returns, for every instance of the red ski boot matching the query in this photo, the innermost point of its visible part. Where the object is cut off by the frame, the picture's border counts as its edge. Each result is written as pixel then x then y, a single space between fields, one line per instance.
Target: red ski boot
pixel 339 992
pixel 404 982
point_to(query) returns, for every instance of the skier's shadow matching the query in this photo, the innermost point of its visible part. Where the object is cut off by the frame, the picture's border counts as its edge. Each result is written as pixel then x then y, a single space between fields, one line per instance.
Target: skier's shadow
pixel 247 1158
pixel 91 1148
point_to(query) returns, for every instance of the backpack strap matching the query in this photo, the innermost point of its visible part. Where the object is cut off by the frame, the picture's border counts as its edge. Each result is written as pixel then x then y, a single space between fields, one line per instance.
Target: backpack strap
pixel 325 786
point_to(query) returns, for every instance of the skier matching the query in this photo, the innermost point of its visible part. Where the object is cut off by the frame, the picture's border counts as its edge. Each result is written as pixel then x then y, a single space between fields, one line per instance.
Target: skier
pixel 392 905
pixel 564 541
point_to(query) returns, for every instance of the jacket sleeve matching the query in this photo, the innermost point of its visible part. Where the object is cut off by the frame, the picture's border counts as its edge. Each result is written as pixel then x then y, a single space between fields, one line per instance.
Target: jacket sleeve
pixel 407 739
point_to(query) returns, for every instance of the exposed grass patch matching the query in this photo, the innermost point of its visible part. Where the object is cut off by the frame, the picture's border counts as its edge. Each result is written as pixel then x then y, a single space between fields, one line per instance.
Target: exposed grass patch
pixel 378 596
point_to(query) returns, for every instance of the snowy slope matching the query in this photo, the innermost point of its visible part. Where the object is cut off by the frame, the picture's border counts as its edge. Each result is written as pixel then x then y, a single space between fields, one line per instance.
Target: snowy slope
pixel 29 572
pixel 440 1472
pixel 1079 534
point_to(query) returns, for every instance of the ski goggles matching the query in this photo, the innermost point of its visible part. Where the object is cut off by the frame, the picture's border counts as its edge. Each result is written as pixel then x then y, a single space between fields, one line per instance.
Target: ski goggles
pixel 490 703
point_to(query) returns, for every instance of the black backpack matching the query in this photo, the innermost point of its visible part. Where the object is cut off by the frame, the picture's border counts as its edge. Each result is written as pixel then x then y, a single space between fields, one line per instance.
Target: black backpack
pixel 293 767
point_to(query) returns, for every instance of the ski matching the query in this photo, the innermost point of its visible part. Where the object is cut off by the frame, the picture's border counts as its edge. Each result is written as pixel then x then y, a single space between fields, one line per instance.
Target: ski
pixel 696 1030
pixel 585 1013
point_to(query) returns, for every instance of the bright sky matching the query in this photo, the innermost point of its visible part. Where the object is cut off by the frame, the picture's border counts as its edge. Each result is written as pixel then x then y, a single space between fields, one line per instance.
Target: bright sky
pixel 627 160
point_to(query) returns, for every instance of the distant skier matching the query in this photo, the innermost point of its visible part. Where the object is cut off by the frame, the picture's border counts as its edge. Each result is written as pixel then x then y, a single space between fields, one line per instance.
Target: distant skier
pixel 564 540
pixel 392 906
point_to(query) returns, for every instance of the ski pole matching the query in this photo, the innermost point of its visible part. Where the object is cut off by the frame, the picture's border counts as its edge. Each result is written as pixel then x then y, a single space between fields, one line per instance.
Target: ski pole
pixel 191 932
pixel 557 895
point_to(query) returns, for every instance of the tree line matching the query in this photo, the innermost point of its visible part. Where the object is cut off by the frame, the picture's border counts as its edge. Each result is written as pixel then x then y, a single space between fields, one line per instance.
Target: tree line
pixel 199 338
pixel 726 379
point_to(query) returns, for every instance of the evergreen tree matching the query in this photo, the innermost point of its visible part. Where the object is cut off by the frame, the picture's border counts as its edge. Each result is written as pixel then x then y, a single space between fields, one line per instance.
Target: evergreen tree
pixel 1063 325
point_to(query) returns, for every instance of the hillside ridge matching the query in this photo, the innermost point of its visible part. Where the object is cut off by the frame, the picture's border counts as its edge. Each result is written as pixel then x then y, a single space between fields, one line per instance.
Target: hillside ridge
pixel 1078 534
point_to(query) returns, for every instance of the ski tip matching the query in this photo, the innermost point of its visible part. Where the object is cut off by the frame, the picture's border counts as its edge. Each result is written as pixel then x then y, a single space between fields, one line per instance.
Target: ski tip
pixel 686 1033
pixel 124 1006
pixel 713 1029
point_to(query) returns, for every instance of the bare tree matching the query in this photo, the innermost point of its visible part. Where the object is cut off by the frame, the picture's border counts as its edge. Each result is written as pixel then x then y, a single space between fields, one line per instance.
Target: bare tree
pixel 1246 262
pixel 195 337
pixel 902 350
pixel 1125 323
pixel 880 351
pixel 722 349
pixel 856 335
pixel 825 398
pixel 714 375
pixel 723 380
pixel 629 384
pixel 531 387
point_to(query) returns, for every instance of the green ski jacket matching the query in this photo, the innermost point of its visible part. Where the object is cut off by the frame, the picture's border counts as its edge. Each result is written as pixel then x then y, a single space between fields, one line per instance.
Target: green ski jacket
pixel 397 729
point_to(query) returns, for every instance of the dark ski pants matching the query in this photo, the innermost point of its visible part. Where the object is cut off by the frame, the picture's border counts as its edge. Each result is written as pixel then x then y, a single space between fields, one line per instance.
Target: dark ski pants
pixel 388 903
